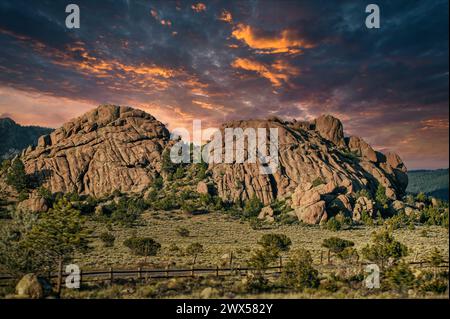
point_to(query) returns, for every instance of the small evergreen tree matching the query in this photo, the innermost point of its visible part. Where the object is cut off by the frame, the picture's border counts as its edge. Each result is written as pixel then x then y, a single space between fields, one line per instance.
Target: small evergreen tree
pixel 253 207
pixel 384 246
pixel 16 176
pixel 299 272
pixel 194 249
pixel 275 242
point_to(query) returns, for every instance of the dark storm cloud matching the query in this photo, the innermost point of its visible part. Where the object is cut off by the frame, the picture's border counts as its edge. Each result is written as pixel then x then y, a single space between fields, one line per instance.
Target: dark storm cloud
pixel 220 60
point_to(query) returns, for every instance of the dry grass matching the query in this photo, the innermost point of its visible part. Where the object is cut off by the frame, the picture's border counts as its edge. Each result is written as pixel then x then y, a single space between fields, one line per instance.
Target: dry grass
pixel 220 234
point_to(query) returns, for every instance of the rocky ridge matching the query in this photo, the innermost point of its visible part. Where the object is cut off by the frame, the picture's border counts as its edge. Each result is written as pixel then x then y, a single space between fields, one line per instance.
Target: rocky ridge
pixel 120 148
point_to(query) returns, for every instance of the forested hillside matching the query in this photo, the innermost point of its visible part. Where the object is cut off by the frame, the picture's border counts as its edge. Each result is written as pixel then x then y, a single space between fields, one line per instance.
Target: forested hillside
pixel 14 137
pixel 431 182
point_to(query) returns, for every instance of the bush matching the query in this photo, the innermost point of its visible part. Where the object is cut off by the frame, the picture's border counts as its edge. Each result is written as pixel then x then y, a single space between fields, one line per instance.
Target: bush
pixel 183 232
pixel 333 224
pixel 400 278
pixel 256 224
pixel 299 272
pixel 252 207
pixel 363 193
pixel 126 211
pixel 276 242
pixel 421 197
pixel 142 246
pixel 380 197
pixel 194 249
pixel 337 245
pixel 318 181
pixel 179 173
pixel 16 176
pixel 383 248
pixel 261 259
pixel 167 203
pixel 107 239
pixel 158 183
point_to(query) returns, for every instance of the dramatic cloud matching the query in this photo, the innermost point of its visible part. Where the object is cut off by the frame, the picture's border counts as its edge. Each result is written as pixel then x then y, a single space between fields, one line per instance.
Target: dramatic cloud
pixel 198 7
pixel 224 60
pixel 276 73
pixel 284 42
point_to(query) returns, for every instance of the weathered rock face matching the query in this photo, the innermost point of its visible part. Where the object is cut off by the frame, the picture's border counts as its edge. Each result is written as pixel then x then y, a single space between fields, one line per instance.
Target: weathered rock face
pixel 305 155
pixel 331 129
pixel 109 148
pixel 120 148
pixel 34 203
pixel 363 204
pixel 361 148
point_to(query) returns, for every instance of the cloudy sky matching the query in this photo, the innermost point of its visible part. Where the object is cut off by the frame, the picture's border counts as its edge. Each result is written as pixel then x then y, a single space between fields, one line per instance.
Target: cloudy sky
pixel 222 60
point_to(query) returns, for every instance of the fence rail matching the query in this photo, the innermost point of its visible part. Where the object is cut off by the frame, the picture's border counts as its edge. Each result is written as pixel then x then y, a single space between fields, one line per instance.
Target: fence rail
pixel 140 273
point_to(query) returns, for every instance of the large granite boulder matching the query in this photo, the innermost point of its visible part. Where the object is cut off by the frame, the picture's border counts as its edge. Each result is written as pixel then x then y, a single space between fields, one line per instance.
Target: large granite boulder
pixel 110 148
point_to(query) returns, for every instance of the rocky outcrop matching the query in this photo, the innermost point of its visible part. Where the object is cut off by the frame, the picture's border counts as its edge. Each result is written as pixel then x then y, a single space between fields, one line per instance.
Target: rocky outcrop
pixel 363 205
pixel 266 214
pixel 309 152
pixel 120 148
pixel 32 287
pixel 110 148
pixel 331 129
pixel 361 148
pixel 35 203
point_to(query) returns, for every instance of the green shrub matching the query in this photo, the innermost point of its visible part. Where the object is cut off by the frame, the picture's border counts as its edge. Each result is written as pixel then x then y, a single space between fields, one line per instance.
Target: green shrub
pixel 363 193
pixel 183 232
pixel 400 277
pixel 299 272
pixel 318 181
pixel 276 242
pixel 158 183
pixel 421 197
pixel 142 246
pixel 107 239
pixel 126 211
pixel 16 176
pixel 179 173
pixel 333 224
pixel 194 250
pixel 384 246
pixel 380 197
pixel 337 245
pixel 252 207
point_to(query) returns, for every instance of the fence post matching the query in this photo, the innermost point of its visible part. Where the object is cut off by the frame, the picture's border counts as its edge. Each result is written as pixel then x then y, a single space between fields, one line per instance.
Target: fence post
pixel 217 270
pixel 139 272
pixel 192 271
pixel 60 271
pixel 167 270
pixel 329 257
pixel 281 264
pixel 111 275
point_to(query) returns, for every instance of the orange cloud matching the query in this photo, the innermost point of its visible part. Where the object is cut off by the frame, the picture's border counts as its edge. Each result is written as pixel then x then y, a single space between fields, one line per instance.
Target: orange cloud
pixel 226 16
pixel 198 7
pixel 285 42
pixel 277 73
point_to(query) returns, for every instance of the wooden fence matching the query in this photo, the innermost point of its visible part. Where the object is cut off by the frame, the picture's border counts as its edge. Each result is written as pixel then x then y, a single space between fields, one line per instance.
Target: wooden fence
pixel 110 275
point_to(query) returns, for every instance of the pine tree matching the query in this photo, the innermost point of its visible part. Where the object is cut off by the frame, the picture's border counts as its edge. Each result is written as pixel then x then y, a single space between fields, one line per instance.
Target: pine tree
pixel 16 176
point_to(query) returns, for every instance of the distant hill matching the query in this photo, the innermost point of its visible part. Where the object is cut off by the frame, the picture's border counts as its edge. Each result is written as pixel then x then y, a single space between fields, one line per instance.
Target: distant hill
pixel 14 137
pixel 431 182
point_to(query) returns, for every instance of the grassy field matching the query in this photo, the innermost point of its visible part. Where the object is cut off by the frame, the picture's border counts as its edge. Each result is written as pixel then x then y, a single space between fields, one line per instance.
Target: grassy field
pixel 221 234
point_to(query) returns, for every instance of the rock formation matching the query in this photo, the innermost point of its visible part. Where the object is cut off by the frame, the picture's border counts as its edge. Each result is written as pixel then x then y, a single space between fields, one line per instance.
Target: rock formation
pixel 306 156
pixel 110 148
pixel 120 148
